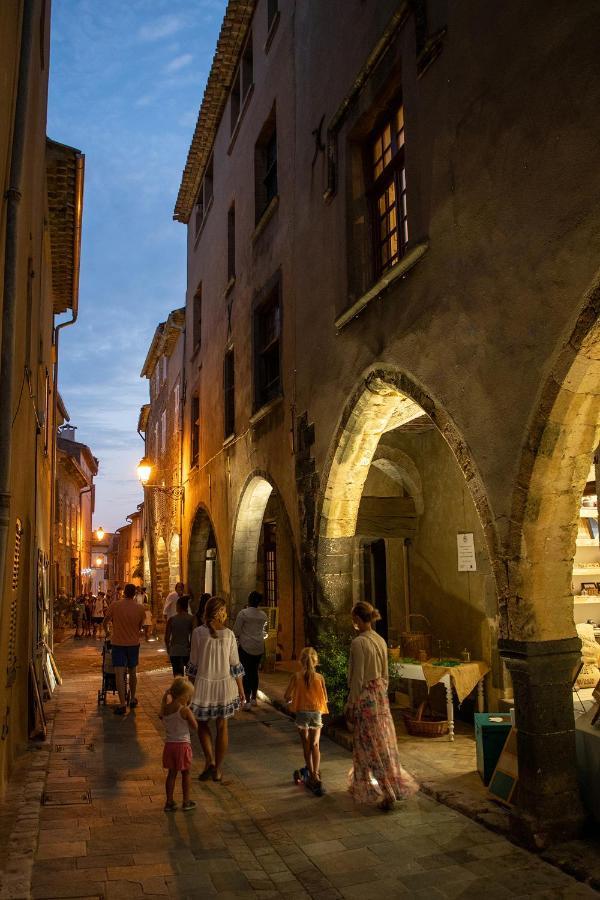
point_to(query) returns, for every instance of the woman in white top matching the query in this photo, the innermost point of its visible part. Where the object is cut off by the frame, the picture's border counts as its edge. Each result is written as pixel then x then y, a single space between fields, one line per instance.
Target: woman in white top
pixel 215 668
pixel 251 630
pixel 377 775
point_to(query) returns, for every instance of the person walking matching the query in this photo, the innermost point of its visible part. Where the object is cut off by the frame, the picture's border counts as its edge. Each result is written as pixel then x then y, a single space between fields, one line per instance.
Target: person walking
pixel 307 695
pixel 377 775
pixel 217 674
pixel 98 613
pixel 177 753
pixel 250 629
pixel 170 607
pixel 148 620
pixel 127 618
pixel 178 636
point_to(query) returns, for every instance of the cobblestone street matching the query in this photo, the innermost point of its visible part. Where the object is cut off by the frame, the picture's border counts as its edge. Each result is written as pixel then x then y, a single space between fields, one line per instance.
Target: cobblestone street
pixel 103 832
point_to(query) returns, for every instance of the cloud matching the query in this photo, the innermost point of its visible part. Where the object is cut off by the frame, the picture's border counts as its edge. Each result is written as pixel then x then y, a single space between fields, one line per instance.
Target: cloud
pixel 160 28
pixel 179 62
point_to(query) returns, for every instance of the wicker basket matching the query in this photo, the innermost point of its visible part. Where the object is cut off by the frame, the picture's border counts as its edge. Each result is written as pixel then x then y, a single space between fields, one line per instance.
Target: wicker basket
pixel 413 642
pixel 420 724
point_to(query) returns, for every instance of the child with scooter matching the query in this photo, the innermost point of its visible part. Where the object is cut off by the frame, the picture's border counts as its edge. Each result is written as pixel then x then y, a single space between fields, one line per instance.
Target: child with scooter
pixel 307 695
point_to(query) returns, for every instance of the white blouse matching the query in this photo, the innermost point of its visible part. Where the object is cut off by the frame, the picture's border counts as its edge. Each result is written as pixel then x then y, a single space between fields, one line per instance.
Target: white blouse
pixel 368 660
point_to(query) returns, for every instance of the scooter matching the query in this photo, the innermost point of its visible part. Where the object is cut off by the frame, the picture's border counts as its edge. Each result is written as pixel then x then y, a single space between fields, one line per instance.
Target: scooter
pixel 302 776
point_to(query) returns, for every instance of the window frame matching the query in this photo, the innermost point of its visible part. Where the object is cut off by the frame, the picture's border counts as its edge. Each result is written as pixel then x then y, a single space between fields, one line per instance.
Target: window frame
pixel 266 166
pixel 195 431
pixel 392 174
pixel 205 195
pixel 197 319
pixel 241 83
pixel 267 391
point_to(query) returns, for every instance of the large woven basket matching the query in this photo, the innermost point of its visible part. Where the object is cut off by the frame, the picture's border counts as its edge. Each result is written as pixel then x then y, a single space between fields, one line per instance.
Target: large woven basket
pixel 421 724
pixel 413 642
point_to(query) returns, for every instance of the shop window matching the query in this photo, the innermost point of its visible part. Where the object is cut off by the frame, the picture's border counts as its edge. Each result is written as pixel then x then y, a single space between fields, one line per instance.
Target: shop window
pixel 270 563
pixel 229 393
pixel 265 167
pixel 197 319
pixel 388 190
pixel 195 431
pixel 231 243
pixel 242 82
pixel 267 349
pixel 205 195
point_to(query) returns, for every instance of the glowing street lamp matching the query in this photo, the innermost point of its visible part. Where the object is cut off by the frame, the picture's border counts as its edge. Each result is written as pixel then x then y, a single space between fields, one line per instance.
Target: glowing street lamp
pixel 144 470
pixel 99 561
pixel 100 532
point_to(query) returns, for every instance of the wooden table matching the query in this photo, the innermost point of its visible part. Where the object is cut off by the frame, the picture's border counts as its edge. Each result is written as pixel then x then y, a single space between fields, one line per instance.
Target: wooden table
pixel 414 672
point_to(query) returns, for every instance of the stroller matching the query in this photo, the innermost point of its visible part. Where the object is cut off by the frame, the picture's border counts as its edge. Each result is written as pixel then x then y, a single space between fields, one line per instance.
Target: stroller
pixel 109 679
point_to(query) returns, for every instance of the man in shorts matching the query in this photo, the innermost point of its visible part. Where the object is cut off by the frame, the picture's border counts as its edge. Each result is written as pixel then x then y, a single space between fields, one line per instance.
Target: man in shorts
pixel 127 617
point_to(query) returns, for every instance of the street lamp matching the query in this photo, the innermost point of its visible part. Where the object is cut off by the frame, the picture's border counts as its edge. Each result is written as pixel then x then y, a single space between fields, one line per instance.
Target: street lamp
pixel 99 561
pixel 100 532
pixel 144 470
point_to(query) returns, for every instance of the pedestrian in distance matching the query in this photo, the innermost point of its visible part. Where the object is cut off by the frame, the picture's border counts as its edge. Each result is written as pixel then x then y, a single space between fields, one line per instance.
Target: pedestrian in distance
pixel 98 613
pixel 178 636
pixel 170 607
pixel 177 753
pixel 377 777
pixel 250 629
pixel 148 620
pixel 307 695
pixel 199 616
pixel 127 618
pixel 78 614
pixel 218 690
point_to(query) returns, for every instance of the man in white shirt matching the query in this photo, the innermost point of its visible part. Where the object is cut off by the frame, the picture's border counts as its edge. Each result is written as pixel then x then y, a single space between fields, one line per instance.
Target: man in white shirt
pixel 251 630
pixel 170 607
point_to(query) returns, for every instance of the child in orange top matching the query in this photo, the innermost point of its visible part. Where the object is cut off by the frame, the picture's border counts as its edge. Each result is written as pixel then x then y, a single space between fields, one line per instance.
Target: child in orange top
pixel 307 695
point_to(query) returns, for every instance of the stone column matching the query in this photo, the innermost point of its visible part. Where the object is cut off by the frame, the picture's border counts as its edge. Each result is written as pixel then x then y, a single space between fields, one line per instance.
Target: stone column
pixel 548 805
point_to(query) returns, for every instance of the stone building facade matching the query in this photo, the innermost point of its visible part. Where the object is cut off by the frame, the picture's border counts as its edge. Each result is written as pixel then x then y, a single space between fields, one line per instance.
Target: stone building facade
pixel 392 333
pixel 40 228
pixel 160 423
pixel 76 468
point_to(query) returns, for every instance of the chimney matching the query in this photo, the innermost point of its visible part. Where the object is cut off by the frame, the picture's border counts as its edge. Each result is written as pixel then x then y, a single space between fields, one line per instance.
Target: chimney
pixel 68 432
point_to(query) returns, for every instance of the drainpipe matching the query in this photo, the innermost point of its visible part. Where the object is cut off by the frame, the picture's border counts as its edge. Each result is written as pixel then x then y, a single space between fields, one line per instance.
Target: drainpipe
pixel 79 172
pixel 9 303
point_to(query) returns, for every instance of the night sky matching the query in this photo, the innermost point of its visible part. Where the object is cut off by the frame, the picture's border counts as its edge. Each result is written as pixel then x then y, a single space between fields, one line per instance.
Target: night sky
pixel 126 82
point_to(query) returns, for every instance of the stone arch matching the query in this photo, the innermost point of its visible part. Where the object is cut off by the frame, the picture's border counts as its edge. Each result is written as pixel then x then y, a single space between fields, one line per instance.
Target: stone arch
pixel 559 449
pixel 384 399
pixel 202 539
pixel 174 566
pixel 400 467
pixel 246 536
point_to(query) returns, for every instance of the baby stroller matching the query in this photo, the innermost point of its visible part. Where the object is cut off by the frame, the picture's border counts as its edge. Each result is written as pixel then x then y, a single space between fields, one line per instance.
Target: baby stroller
pixel 109 679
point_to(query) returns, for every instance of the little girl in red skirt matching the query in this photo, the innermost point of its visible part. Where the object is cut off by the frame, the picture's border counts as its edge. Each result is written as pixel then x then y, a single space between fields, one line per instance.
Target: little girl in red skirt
pixel 177 753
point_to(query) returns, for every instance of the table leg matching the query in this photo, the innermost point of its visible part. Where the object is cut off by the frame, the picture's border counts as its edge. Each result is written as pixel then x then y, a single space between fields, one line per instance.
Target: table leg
pixel 480 697
pixel 450 710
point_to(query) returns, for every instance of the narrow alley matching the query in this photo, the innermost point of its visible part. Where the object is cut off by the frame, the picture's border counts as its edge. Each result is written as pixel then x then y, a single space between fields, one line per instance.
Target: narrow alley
pixel 103 832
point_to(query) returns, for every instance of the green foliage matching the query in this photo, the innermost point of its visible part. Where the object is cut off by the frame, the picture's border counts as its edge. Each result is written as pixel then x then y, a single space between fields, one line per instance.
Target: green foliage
pixel 334 653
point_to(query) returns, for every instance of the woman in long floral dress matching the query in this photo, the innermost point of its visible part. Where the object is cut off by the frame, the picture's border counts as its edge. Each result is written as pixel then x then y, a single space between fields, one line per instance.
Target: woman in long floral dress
pixel 377 777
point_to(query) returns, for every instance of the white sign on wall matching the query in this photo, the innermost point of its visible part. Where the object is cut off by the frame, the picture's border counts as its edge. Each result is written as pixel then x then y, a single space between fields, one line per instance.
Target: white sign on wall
pixel 466 552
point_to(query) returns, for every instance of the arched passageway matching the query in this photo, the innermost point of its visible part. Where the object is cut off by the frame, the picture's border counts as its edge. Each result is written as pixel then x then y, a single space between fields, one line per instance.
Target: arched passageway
pixel 204 574
pixel 264 559
pixel 174 566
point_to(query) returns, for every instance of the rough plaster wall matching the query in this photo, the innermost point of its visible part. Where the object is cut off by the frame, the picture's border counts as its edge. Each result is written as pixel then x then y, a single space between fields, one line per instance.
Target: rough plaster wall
pixel 459 605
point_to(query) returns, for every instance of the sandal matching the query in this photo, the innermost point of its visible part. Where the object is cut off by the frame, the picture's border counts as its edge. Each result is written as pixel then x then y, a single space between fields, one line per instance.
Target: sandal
pixel 218 779
pixel 170 806
pixel 208 773
pixel 133 703
pixel 188 805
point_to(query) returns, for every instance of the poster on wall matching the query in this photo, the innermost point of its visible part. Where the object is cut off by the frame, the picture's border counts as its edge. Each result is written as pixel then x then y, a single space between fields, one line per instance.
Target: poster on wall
pixel 466 552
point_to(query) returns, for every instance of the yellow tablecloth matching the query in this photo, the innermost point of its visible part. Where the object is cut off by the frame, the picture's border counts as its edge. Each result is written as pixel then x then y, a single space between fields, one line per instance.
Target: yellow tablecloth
pixel 463 677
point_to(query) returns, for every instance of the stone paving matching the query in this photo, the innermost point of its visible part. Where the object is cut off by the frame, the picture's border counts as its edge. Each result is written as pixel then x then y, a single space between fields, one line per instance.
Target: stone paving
pixel 103 832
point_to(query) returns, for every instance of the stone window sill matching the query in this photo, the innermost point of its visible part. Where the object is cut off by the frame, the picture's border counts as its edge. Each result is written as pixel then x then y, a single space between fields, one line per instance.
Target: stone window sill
pixel 398 271
pixel 238 124
pixel 265 218
pixel 265 410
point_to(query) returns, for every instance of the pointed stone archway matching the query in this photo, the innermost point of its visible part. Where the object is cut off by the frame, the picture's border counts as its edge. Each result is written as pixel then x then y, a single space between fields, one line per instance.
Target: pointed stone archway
pixel 162 571
pixel 246 538
pixel 203 556
pixel 174 566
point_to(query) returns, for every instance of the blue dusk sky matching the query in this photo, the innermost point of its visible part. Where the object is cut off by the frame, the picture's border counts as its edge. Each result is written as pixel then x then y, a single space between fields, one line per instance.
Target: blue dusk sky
pixel 126 83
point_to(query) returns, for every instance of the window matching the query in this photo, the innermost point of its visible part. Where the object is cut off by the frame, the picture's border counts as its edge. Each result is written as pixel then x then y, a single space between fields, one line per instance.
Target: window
pixel 205 195
pixel 242 82
pixel 176 402
pixel 231 243
pixel 265 166
pixel 267 331
pixel 272 10
pixel 270 562
pixel 163 431
pixel 388 176
pixel 229 393
pixel 195 431
pixel 197 319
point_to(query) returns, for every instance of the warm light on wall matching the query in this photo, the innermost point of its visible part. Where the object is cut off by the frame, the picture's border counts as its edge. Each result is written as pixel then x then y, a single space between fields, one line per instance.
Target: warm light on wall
pixel 99 561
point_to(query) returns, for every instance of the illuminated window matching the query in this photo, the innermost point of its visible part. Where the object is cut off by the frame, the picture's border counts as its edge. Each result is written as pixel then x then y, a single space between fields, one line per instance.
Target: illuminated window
pixel 389 191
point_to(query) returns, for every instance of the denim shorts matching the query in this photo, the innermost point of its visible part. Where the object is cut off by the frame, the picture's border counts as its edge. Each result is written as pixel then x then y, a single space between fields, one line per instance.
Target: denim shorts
pixel 309 719
pixel 125 657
